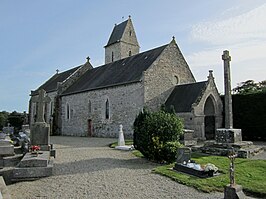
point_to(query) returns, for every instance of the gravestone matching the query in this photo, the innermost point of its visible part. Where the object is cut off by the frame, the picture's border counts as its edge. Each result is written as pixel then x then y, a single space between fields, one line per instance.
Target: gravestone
pixel 26 129
pixel 121 141
pixel 183 155
pixel 186 165
pixel 40 130
pixel 8 130
pixel 6 148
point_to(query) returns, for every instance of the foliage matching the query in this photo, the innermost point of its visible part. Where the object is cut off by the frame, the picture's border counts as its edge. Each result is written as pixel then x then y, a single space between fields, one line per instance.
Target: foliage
pixel 249 115
pixel 16 120
pixel 250 87
pixel 249 173
pixel 156 135
pixel 3 119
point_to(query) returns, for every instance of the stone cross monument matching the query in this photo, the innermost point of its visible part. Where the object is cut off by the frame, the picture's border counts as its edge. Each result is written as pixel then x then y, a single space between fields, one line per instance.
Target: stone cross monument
pixel 227 91
pixel 228 134
pixel 40 130
pixel 41 100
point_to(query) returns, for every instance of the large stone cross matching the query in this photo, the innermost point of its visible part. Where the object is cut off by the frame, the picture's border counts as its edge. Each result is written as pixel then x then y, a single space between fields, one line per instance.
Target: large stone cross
pixel 227 91
pixel 41 100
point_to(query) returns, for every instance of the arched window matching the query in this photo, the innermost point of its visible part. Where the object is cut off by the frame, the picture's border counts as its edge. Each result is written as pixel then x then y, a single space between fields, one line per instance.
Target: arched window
pixel 112 56
pixel 68 112
pixel 129 53
pixel 130 33
pixel 52 108
pixel 176 80
pixel 107 109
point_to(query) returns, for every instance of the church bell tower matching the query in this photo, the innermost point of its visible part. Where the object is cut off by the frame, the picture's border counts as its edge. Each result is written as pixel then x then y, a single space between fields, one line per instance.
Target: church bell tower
pixel 122 42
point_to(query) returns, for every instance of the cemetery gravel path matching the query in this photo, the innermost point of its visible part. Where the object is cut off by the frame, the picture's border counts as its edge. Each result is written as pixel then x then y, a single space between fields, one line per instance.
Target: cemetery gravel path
pixel 88 168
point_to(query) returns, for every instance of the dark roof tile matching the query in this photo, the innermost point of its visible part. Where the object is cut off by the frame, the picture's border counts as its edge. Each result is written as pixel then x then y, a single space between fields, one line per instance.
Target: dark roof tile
pixel 117 33
pixel 120 72
pixel 51 84
pixel 184 95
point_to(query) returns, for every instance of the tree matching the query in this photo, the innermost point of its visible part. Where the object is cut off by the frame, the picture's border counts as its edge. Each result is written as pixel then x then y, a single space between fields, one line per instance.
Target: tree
pixel 3 119
pixel 250 87
pixel 16 120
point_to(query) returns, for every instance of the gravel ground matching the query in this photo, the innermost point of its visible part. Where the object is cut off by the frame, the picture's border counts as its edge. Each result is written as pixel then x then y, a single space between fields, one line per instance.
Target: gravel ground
pixel 88 168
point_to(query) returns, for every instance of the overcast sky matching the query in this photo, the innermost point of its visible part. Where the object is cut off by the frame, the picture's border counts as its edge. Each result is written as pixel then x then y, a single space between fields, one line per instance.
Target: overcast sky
pixel 38 37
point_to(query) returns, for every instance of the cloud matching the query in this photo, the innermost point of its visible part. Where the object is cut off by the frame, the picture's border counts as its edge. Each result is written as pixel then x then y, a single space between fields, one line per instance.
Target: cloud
pixel 249 25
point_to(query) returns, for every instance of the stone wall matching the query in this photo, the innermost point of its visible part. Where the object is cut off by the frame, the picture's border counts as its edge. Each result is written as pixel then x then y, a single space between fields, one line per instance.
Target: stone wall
pixel 168 70
pixel 115 49
pixel 125 101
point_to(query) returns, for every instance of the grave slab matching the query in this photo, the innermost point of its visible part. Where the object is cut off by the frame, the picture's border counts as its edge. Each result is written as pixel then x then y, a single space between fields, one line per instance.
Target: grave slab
pixel 31 160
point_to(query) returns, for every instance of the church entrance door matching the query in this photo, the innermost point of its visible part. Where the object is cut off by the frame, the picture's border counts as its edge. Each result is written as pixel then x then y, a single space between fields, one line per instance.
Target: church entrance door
pixel 90 128
pixel 209 120
pixel 209 127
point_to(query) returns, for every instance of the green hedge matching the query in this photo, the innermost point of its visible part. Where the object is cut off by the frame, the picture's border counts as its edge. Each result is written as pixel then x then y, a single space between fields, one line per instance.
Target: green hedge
pixel 156 135
pixel 249 114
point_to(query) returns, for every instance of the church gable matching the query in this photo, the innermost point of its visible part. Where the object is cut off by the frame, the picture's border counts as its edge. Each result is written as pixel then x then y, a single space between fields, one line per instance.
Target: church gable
pixel 169 69
pixel 51 84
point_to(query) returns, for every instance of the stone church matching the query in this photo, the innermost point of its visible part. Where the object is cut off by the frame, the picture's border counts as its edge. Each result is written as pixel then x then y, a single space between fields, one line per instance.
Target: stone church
pixel 94 101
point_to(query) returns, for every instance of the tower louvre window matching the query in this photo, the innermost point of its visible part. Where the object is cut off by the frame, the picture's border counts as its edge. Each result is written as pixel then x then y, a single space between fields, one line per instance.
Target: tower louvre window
pixel 112 56
pixel 129 53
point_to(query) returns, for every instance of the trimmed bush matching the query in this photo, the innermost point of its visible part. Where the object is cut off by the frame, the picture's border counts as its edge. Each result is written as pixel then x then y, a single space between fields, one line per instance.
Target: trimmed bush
pixel 156 135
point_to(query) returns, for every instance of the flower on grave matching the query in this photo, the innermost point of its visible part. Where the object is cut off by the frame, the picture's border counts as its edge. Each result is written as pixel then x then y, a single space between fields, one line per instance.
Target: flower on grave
pixel 210 167
pixel 35 148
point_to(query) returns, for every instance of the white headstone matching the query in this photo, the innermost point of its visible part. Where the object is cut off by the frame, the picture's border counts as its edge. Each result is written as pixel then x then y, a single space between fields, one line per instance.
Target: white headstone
pixel 121 140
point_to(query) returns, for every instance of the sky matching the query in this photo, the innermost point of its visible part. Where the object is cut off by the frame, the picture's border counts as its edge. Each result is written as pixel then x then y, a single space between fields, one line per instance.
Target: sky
pixel 39 37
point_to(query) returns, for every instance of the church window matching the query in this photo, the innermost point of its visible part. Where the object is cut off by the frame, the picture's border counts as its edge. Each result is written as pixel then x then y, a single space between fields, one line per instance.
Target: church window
pixel 107 109
pixel 112 56
pixel 52 108
pixel 68 112
pixel 130 33
pixel 129 53
pixel 176 80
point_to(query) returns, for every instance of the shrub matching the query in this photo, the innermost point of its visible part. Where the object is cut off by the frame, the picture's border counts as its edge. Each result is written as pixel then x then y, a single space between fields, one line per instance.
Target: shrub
pixel 156 135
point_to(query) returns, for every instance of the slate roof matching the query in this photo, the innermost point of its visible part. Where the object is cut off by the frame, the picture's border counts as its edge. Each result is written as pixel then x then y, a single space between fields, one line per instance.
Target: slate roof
pixel 117 33
pixel 184 95
pixel 123 71
pixel 51 84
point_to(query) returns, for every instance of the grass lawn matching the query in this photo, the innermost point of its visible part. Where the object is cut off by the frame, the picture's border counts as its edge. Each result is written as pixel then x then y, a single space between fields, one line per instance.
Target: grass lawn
pixel 127 142
pixel 251 174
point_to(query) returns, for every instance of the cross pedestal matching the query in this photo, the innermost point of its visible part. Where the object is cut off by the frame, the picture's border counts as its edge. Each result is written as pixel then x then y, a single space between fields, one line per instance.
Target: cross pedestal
pixel 40 130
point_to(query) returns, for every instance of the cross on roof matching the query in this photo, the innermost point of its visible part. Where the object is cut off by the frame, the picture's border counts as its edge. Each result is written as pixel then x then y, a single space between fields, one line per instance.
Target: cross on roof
pixel 41 100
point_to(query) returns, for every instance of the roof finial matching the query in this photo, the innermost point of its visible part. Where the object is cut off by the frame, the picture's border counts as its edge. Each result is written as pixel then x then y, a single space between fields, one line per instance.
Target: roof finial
pixel 88 58
pixel 173 37
pixel 129 16
pixel 57 71
pixel 210 74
